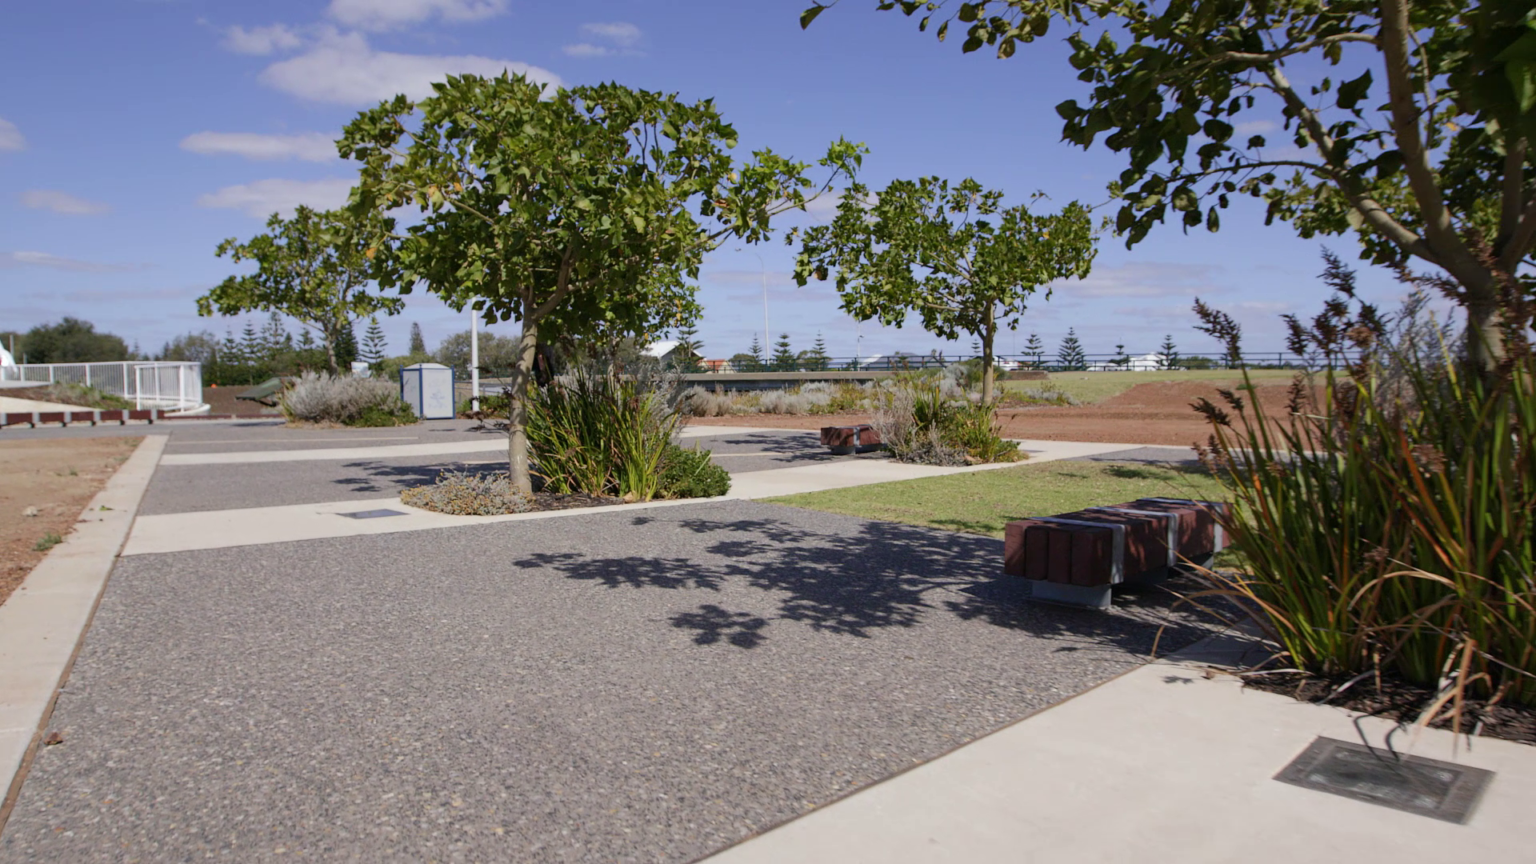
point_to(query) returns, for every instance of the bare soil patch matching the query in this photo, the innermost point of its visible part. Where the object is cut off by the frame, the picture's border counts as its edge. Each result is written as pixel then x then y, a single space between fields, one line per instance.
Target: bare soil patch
pixel 56 476
pixel 1152 413
pixel 1395 699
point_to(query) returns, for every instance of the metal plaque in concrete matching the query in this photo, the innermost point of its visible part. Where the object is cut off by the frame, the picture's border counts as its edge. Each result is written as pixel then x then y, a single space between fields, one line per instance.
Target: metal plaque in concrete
pixel 1428 787
pixel 372 514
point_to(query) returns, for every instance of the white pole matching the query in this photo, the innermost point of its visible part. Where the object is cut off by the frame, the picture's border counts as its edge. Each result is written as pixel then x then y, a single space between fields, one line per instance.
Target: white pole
pixel 474 360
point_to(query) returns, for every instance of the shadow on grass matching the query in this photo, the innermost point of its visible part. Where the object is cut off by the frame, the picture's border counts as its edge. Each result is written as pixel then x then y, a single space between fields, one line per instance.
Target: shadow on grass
pixel 875 577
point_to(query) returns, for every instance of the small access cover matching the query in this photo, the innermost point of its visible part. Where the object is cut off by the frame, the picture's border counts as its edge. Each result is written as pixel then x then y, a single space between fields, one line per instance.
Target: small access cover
pixel 372 514
pixel 1428 787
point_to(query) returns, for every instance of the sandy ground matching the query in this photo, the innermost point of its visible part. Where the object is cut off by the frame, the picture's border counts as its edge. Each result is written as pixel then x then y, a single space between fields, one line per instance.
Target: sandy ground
pixel 1152 413
pixel 58 477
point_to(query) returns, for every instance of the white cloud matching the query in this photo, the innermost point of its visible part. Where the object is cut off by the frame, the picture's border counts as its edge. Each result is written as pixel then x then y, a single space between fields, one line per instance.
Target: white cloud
pixel 308 146
pixel 261 40
pixel 54 262
pixel 343 68
pixel 587 49
pixel 11 137
pixel 617 32
pixel 1254 127
pixel 1141 279
pixel 61 202
pixel 387 14
pixel 265 197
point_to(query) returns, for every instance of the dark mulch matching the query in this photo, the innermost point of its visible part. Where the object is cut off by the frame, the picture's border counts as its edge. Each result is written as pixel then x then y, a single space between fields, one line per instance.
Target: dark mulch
pixel 551 501
pixel 1396 699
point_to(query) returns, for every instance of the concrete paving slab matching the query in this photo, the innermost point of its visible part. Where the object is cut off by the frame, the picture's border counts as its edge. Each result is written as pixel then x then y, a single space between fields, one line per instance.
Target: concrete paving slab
pixel 396 451
pixel 634 685
pixel 1161 764
pixel 44 620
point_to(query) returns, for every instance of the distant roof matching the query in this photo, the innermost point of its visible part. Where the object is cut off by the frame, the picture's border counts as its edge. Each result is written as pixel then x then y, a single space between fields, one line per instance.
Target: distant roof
pixel 660 349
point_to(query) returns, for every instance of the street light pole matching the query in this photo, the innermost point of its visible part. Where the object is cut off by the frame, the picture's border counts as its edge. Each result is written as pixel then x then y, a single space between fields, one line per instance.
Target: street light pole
pixel 474 360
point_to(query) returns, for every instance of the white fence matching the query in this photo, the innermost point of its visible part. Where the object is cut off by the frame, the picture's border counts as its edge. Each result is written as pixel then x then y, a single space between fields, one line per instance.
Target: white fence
pixel 170 386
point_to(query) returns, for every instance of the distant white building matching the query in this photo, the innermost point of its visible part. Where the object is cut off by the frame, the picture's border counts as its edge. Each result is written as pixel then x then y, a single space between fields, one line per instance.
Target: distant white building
pixel 669 351
pixel 6 360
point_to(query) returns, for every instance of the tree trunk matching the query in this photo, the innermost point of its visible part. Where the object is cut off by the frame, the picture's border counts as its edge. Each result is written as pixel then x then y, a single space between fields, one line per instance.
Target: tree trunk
pixel 988 336
pixel 517 419
pixel 330 350
pixel 1485 335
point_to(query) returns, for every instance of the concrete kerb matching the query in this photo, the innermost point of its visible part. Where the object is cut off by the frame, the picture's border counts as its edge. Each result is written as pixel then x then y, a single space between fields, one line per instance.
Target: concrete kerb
pixel 44 621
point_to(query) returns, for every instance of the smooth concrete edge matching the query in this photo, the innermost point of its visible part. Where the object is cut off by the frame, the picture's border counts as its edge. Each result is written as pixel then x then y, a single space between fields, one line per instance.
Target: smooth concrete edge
pixel 394 451
pixel 171 533
pixel 44 622
pixel 1214 651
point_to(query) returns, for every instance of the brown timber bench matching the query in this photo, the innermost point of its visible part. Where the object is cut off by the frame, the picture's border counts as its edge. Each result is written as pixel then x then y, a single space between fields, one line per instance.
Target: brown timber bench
pixel 1077 558
pixel 847 440
pixel 64 418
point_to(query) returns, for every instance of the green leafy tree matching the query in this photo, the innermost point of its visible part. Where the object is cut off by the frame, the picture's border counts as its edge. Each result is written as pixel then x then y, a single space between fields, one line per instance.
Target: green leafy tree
pixel 744 362
pixel 201 347
pixel 784 359
pixel 1168 354
pixel 1070 355
pixel 71 340
pixel 1035 350
pixel 315 268
pixel 568 211
pixel 1423 144
pixel 418 342
pixel 954 255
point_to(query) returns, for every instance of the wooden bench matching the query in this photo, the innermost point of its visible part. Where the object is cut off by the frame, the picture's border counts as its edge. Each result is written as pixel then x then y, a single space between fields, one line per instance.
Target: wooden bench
pixel 1077 558
pixel 847 440
pixel 64 418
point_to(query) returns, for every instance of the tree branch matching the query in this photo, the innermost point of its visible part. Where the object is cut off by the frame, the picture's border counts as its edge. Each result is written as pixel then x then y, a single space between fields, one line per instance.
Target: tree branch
pixel 1521 239
pixel 1452 253
pixel 1369 208
pixel 1267 57
pixel 1513 193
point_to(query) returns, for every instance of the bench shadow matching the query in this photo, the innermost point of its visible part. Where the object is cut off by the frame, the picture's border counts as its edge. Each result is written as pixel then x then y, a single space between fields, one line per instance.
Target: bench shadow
pixel 883 575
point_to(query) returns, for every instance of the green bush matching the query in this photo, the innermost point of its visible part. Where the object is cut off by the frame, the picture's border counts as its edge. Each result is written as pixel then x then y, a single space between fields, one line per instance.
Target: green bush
pixel 691 473
pixel 1387 520
pixel 919 422
pixel 86 397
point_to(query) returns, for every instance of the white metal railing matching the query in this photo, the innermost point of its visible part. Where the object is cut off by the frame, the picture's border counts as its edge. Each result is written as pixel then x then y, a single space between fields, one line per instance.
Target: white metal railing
pixel 171 386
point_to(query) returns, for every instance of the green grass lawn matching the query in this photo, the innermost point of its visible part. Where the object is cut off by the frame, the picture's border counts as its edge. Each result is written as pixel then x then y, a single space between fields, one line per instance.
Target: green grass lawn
pixel 1088 387
pixel 982 502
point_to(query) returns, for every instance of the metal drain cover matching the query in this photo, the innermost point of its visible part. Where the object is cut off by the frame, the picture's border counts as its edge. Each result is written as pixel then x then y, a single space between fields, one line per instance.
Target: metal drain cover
pixel 371 514
pixel 1428 787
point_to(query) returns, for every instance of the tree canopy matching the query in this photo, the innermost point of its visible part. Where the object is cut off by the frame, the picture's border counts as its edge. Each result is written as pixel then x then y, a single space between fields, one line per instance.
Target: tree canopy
pixel 575 212
pixel 1413 125
pixel 314 268
pixel 952 254
pixel 71 340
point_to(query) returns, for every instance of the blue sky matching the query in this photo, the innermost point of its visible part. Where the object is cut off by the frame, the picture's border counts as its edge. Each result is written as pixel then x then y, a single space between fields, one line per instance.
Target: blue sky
pixel 135 135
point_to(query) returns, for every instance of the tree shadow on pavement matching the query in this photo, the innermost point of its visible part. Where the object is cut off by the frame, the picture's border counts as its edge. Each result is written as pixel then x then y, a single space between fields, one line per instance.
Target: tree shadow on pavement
pixel 882 575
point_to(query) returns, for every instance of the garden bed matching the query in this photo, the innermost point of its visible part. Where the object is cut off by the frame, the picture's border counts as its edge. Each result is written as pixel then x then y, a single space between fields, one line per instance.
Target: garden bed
pixel 1395 699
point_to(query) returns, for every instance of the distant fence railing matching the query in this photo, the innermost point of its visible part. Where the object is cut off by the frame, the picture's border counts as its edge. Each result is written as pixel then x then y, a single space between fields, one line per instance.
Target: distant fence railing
pixel 1010 362
pixel 148 384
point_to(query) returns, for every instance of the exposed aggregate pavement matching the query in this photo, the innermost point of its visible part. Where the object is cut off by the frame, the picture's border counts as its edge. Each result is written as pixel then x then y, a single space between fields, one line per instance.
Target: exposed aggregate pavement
pixel 645 686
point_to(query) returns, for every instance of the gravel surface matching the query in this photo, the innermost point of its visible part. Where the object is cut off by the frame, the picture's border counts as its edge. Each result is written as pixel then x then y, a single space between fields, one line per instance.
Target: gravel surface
pixel 195 488
pixel 644 686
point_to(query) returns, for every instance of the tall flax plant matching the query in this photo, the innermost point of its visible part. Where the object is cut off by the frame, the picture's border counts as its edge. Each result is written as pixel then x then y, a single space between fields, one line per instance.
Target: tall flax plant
pixel 1387 517
pixel 602 433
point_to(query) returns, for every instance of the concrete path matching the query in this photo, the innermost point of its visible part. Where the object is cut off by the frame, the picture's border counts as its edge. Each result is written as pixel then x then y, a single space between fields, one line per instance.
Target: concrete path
pixel 43 621
pixel 1161 764
pixel 646 685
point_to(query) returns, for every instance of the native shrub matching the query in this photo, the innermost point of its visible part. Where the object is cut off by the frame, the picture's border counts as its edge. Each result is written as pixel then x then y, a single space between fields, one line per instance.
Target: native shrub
pixel 1387 519
pixel 919 422
pixel 321 398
